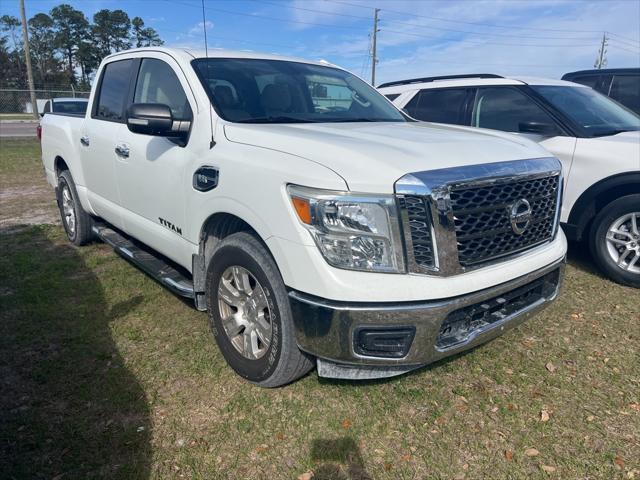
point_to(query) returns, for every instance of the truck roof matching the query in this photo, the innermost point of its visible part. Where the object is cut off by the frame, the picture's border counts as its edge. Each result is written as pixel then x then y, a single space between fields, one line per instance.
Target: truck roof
pixel 188 54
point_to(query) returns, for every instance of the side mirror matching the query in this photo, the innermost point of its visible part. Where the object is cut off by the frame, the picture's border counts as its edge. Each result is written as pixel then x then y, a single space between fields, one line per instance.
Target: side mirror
pixel 538 128
pixel 155 119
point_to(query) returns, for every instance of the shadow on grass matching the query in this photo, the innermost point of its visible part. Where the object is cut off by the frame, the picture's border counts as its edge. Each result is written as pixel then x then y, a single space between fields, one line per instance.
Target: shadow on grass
pixel 69 407
pixel 332 454
pixel 579 256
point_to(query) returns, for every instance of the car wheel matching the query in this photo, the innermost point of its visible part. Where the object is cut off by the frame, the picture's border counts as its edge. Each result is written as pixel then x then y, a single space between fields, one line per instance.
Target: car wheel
pixel 615 240
pixel 250 314
pixel 77 223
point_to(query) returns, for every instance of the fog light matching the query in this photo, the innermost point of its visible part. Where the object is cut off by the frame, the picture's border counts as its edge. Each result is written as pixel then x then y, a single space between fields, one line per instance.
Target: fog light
pixel 387 342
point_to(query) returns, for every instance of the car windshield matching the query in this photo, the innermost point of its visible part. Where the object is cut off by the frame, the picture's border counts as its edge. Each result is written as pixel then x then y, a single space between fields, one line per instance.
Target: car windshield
pixel 597 114
pixel 276 91
pixel 69 106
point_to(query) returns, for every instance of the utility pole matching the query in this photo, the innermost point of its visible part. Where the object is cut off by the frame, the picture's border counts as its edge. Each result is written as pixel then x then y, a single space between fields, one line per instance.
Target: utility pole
pixel 601 61
pixel 27 57
pixel 374 47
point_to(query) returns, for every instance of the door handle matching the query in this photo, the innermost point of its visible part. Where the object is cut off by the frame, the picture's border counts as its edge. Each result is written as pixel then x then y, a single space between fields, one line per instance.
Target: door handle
pixel 84 140
pixel 122 151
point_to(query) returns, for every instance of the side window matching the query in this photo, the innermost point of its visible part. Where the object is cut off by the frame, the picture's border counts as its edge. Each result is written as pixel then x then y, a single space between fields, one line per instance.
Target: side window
pixel 113 90
pixel 392 96
pixel 626 90
pixel 505 108
pixel 158 83
pixel 445 105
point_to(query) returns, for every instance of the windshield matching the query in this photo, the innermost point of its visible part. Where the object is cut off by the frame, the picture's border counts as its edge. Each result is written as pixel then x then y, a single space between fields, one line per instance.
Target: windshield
pixel 599 115
pixel 277 91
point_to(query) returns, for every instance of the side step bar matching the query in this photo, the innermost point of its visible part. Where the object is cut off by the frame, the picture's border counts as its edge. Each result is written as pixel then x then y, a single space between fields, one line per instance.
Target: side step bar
pixel 147 260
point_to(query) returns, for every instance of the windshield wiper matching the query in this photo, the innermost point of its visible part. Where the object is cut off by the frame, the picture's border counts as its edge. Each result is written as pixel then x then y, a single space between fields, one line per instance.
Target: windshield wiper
pixel 276 119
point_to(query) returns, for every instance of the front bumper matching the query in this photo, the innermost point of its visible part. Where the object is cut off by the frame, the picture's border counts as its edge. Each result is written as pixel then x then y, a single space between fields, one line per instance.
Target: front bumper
pixel 332 330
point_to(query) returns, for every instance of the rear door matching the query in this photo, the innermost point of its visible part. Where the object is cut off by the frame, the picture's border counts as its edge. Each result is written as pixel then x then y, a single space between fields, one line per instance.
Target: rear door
pixel 152 176
pixel 441 105
pixel 100 134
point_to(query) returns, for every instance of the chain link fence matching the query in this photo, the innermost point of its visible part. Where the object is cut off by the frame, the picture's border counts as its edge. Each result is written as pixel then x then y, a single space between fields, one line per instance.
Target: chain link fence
pixel 14 101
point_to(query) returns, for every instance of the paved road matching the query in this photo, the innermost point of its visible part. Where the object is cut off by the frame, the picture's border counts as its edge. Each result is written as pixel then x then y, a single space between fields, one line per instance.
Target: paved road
pixel 24 129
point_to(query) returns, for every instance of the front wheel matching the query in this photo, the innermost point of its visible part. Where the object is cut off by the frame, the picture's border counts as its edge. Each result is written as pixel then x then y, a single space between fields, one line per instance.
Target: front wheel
pixel 615 240
pixel 250 314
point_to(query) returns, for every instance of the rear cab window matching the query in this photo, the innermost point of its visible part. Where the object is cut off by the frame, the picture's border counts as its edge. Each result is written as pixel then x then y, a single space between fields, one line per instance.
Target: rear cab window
pixel 70 106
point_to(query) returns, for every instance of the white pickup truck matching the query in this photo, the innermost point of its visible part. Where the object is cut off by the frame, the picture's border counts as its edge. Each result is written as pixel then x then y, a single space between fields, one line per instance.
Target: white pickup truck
pixel 315 222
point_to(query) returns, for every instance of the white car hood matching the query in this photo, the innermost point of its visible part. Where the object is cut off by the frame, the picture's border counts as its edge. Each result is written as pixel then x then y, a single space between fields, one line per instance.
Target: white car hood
pixel 372 156
pixel 632 137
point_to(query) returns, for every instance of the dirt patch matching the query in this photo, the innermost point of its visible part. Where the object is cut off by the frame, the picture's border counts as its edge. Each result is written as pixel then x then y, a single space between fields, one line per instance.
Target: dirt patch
pixel 28 205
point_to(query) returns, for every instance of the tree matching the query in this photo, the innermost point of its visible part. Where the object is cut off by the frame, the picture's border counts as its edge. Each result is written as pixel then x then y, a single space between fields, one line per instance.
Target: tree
pixel 43 53
pixel 111 31
pixel 88 59
pixel 144 37
pixel 72 27
pixel 12 25
pixel 13 70
pixel 65 47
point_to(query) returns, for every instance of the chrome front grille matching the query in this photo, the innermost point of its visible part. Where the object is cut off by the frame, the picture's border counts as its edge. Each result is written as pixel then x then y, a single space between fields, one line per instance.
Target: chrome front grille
pixel 465 217
pixel 419 222
pixel 482 217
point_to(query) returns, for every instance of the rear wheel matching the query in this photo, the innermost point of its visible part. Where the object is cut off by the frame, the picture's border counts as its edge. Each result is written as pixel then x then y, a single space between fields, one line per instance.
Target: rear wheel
pixel 615 240
pixel 77 223
pixel 250 314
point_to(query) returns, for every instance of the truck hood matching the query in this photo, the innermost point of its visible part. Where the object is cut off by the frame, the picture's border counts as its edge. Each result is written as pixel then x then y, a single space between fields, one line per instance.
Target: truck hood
pixel 370 157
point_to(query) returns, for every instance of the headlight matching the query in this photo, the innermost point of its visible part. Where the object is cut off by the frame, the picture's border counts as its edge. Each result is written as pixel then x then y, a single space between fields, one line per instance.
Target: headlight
pixel 357 232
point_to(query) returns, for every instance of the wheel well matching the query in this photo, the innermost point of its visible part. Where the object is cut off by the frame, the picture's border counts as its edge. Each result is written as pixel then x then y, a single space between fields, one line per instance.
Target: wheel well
pixel 217 227
pixel 59 165
pixel 599 195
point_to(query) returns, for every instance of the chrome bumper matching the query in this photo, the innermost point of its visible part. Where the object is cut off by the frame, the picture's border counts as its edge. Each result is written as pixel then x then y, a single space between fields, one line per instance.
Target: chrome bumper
pixel 327 329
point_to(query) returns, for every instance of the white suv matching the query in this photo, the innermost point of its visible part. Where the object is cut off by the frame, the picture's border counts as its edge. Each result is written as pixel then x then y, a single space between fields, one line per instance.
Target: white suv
pixel 596 139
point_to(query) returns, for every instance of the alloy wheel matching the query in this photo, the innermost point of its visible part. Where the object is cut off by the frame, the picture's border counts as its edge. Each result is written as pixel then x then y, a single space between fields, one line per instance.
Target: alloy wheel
pixel 623 242
pixel 244 312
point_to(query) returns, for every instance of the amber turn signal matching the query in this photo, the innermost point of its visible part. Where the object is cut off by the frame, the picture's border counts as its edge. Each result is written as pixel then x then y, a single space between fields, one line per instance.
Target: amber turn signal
pixel 303 209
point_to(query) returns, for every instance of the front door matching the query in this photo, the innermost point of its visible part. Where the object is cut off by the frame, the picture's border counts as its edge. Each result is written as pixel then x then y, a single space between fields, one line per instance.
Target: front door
pixel 151 170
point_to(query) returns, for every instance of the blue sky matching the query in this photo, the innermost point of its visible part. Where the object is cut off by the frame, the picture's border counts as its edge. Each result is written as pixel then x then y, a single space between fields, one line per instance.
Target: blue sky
pixel 417 37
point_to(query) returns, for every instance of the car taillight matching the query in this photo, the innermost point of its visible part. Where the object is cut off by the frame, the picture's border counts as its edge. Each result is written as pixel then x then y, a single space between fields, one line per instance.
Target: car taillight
pixel 39 132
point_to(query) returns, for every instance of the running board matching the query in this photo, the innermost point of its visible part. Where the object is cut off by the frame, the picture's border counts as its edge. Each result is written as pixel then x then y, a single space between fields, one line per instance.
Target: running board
pixel 147 260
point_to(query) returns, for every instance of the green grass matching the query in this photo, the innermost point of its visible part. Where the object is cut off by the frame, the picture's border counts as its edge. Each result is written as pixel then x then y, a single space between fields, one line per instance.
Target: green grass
pixel 105 374
pixel 19 160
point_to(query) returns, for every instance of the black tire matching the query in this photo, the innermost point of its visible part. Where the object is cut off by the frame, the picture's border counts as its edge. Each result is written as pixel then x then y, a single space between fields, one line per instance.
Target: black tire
pixel 283 361
pixel 598 239
pixel 80 233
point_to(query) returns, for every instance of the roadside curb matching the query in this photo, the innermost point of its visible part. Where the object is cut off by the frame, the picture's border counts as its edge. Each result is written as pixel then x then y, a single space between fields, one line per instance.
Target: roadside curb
pixel 2 122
